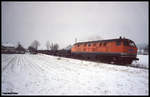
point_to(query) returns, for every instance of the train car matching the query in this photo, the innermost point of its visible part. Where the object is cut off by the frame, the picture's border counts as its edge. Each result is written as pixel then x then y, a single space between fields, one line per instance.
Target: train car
pixel 121 50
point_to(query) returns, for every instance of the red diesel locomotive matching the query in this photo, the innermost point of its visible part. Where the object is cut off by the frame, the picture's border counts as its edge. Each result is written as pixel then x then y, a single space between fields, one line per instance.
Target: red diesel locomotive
pixel 122 50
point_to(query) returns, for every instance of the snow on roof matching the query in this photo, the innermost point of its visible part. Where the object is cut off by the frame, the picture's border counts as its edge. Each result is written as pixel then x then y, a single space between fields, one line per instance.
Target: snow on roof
pixel 8 45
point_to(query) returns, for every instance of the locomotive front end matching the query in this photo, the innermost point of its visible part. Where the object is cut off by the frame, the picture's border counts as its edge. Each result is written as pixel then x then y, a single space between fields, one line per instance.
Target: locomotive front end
pixel 129 50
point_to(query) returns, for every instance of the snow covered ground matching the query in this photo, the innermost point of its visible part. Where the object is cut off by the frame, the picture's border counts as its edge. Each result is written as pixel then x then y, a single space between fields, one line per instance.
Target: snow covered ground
pixel 41 74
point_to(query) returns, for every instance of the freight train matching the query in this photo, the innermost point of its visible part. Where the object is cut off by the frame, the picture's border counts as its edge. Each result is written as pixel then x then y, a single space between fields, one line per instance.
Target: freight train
pixel 120 51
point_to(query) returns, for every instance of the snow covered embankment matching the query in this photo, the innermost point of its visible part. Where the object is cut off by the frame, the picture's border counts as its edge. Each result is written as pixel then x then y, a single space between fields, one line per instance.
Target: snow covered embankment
pixel 41 74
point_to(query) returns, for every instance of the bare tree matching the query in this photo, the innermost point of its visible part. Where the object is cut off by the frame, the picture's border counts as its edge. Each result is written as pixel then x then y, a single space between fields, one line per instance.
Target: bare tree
pixel 54 46
pixel 51 46
pixel 146 49
pixel 48 45
pixel 35 44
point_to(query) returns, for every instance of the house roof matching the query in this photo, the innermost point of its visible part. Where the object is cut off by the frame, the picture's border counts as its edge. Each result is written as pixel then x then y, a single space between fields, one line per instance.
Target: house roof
pixel 8 45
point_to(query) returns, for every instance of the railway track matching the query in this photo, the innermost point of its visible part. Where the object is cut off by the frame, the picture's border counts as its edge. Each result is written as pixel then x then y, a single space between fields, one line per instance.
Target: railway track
pixel 95 60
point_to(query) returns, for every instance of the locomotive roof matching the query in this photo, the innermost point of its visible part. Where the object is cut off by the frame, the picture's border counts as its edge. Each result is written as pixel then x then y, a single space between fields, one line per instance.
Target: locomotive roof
pixel 104 41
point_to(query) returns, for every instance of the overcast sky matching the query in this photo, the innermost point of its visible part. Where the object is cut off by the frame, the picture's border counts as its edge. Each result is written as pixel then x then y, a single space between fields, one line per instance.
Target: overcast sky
pixel 62 22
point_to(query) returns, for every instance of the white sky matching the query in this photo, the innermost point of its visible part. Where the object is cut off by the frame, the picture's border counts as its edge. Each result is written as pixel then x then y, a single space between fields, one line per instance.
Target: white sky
pixel 62 22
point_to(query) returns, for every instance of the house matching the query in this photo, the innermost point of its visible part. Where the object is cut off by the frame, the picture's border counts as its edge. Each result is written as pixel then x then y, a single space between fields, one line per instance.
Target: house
pixel 8 48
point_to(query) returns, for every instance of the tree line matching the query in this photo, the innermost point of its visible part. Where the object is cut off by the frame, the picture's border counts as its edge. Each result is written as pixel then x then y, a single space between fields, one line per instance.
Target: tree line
pixel 143 50
pixel 35 44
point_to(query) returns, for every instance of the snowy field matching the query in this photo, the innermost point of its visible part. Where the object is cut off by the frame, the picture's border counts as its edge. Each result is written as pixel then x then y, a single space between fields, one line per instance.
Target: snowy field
pixel 41 74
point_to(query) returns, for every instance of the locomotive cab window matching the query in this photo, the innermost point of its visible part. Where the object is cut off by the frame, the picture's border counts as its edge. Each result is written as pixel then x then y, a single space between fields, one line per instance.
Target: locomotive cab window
pixel 129 43
pixel 104 43
pixel 89 44
pixel 132 44
pixel 125 43
pixel 100 44
pixel 118 43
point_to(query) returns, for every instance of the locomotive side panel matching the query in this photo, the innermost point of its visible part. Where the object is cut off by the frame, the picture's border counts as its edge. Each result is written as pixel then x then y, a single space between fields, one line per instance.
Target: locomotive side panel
pixel 105 47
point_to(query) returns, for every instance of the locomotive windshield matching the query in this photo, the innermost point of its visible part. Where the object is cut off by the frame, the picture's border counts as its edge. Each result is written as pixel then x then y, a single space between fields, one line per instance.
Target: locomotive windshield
pixel 129 43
